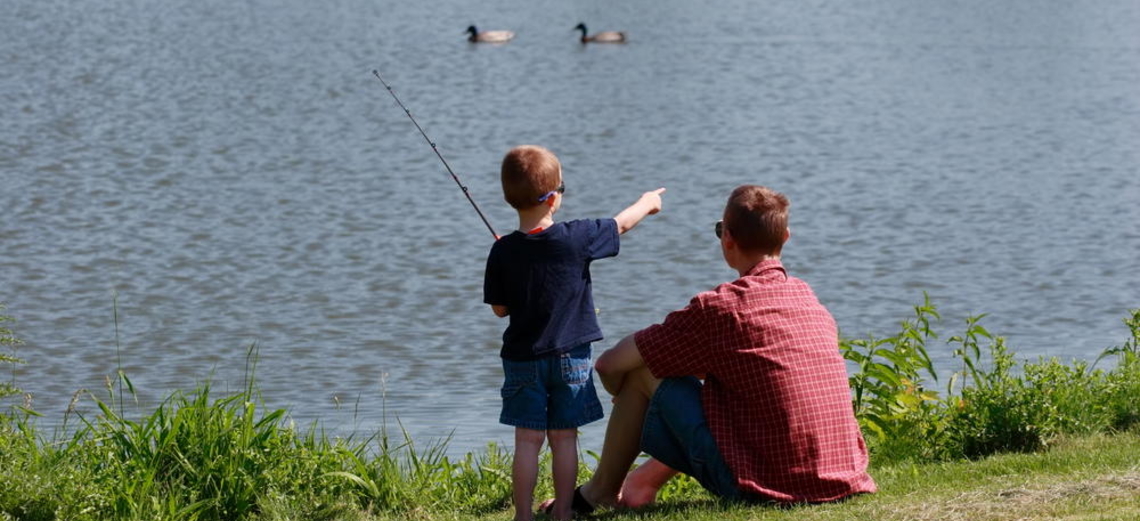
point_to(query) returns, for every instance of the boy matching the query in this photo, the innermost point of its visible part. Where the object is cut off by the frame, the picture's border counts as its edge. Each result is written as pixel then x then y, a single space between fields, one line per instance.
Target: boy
pixel 539 276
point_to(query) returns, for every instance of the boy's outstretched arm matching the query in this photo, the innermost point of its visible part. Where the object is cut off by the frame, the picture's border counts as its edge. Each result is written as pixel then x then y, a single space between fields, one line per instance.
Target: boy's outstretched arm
pixel 648 204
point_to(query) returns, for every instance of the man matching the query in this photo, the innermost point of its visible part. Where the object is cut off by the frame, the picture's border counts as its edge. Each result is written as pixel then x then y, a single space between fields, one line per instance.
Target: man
pixel 772 420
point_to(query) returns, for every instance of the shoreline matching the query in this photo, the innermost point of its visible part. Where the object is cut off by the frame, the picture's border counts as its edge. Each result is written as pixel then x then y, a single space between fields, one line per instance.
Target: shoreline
pixel 1005 438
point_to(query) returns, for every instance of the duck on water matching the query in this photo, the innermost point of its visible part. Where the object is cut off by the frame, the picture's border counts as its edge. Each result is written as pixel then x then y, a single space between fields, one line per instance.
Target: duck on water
pixel 474 36
pixel 602 37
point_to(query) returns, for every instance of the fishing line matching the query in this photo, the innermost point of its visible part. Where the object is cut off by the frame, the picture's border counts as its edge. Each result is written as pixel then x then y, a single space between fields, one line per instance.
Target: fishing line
pixel 440 156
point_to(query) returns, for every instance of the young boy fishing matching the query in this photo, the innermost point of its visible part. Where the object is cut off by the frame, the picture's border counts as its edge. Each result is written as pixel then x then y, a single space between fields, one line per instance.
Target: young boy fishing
pixel 539 277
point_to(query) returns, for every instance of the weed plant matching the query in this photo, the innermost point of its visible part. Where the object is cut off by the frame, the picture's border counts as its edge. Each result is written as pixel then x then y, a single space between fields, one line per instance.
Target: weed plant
pixel 200 457
pixel 197 456
pixel 8 343
pixel 993 404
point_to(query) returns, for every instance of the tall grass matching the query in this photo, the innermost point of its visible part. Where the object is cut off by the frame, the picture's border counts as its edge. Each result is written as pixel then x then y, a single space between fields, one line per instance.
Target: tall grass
pixel 8 343
pixel 994 403
pixel 200 456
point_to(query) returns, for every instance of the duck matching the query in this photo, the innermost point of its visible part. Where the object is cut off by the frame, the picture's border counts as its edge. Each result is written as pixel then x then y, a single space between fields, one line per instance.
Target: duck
pixel 602 37
pixel 488 36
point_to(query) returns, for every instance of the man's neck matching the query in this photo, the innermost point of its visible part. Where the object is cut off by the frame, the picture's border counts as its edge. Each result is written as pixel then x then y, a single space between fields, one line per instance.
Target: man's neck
pixel 747 263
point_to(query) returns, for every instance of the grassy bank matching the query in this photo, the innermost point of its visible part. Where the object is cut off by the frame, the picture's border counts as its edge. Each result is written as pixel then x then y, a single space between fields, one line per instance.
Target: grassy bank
pixel 1094 477
pixel 999 439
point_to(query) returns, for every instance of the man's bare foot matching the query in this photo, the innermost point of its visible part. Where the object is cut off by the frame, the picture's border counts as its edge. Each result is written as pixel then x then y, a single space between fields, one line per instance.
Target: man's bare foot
pixel 641 485
pixel 634 494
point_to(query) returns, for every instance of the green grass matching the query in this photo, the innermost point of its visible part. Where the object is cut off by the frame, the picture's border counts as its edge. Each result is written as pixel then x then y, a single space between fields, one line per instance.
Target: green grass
pixel 1089 477
pixel 1005 440
pixel 994 403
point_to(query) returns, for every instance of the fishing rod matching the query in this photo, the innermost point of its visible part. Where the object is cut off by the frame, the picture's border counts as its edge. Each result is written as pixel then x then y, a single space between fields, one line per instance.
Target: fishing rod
pixel 440 156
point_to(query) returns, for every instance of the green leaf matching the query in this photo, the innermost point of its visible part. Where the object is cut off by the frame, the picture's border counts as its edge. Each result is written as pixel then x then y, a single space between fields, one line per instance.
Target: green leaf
pixel 367 485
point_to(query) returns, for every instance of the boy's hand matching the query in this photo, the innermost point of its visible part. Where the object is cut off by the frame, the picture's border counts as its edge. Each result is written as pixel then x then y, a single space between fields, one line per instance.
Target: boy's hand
pixel 648 204
pixel 652 200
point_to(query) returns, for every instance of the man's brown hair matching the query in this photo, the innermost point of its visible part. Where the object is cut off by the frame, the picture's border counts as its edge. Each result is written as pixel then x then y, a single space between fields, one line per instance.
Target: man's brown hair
pixel 528 173
pixel 757 218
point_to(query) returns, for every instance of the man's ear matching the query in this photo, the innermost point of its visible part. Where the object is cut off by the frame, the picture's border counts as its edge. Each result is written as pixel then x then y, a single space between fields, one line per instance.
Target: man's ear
pixel 729 242
pixel 787 234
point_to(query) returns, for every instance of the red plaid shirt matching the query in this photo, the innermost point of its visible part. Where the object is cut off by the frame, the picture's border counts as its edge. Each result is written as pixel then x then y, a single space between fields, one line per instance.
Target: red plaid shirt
pixel 776 395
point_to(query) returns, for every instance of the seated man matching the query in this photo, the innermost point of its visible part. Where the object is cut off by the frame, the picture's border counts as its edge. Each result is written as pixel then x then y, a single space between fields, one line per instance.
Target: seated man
pixel 772 420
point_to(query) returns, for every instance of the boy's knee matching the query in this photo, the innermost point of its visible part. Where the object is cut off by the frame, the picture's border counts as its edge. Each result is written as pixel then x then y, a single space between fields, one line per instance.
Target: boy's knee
pixel 530 436
pixel 560 435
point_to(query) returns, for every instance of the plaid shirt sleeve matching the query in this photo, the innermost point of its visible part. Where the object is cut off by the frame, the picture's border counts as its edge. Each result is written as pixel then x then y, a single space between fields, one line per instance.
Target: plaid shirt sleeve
pixel 668 347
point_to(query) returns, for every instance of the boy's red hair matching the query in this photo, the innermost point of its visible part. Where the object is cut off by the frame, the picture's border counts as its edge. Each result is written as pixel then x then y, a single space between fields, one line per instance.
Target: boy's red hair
pixel 529 172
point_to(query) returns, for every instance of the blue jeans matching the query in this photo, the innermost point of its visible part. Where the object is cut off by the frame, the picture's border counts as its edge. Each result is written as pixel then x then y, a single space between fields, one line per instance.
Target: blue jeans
pixel 555 392
pixel 677 434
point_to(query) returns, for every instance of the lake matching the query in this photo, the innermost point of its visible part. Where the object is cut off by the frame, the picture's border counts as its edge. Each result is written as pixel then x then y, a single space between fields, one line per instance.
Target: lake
pixel 182 180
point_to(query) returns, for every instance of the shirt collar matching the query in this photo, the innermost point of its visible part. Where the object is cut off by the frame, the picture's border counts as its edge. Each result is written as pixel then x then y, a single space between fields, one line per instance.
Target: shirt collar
pixel 765 266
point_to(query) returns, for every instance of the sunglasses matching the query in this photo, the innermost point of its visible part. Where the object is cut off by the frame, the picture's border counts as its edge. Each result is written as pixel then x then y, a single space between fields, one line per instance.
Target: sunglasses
pixel 560 190
pixel 719 229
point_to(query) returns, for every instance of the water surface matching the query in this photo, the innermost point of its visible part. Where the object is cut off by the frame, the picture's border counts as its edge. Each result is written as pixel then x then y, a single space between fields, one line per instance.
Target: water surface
pixel 232 174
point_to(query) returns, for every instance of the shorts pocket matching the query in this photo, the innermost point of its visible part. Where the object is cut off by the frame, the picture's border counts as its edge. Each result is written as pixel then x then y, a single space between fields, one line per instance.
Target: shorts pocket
pixel 517 376
pixel 576 371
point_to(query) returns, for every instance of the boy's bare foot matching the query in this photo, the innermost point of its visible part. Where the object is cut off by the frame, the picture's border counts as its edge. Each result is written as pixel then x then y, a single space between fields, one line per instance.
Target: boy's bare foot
pixel 546 505
pixel 547 508
pixel 580 506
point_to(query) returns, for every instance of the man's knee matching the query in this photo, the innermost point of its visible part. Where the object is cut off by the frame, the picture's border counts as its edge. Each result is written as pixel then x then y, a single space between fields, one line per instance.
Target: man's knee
pixel 643 381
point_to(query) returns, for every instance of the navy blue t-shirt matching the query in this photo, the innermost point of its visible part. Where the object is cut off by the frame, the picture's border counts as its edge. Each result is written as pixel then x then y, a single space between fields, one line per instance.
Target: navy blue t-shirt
pixel 544 280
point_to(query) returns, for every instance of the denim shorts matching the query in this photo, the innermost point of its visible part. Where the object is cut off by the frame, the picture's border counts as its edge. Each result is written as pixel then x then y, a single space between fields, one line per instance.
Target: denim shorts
pixel 677 434
pixel 555 392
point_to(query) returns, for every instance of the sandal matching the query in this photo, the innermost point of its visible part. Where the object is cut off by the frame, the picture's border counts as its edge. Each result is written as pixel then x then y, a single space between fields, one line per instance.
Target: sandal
pixel 578 506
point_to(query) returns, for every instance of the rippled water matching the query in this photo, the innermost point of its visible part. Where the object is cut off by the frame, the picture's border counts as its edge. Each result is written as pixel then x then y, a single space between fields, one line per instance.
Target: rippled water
pixel 231 173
